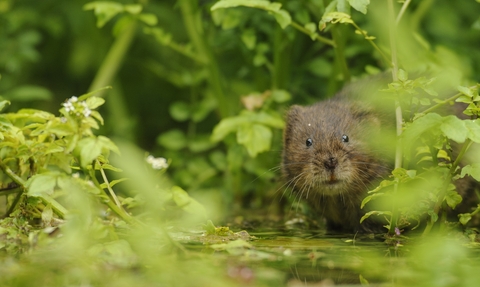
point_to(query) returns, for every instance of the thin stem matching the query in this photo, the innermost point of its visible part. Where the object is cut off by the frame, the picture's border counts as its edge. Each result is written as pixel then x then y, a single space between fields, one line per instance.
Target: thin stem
pixel 119 211
pixel 398 111
pixel 367 37
pixel 402 11
pixel 438 105
pixel 339 53
pixel 110 190
pixel 191 18
pixel 314 35
pixel 15 202
pixel 114 58
pixel 418 14
pixel 18 180
pixel 89 94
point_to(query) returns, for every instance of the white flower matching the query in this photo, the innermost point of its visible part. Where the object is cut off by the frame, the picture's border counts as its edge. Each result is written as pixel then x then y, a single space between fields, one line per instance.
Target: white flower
pixel 87 112
pixel 73 99
pixel 157 163
pixel 68 106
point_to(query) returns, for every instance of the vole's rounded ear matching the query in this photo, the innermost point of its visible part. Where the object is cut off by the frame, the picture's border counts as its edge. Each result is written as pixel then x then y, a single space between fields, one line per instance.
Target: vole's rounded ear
pixel 294 112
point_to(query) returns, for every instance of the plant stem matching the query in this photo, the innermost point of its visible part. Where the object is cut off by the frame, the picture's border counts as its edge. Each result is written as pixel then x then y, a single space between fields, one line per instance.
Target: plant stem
pixel 15 202
pixel 191 19
pixel 18 180
pixel 402 11
pixel 281 59
pixel 339 52
pixel 418 14
pixel 382 54
pixel 314 35
pixel 110 190
pixel 432 108
pixel 398 111
pixel 114 58
pixel 116 209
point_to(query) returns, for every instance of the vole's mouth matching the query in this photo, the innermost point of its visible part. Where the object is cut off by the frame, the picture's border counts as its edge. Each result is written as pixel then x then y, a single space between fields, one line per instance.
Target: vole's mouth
pixel 332 179
pixel 332 182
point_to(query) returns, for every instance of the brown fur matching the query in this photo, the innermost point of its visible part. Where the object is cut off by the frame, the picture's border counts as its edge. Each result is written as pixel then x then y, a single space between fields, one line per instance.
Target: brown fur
pixel 333 174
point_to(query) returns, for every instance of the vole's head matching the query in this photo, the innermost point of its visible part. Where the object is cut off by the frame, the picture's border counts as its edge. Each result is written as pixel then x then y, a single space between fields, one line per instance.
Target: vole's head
pixel 326 148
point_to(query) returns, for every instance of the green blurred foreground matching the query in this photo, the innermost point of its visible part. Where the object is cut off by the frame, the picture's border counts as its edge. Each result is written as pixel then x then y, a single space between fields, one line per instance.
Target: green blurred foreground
pixel 205 85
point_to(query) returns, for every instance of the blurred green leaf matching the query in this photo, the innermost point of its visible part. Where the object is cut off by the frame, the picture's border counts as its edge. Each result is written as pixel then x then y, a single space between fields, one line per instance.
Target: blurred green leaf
pixel 94 102
pixel 29 93
pixel 281 96
pixel 133 8
pixel 174 140
pixel 88 149
pixel 104 10
pixel 360 5
pixel 149 19
pixel 283 17
pixel 40 184
pixel 249 38
pixel 3 104
pixel 188 204
pixel 473 170
pixel 454 128
pixel 256 138
pixel 180 111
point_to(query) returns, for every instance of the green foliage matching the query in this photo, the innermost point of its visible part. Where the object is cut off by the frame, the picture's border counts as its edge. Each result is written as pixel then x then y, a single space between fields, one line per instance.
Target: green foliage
pixel 429 189
pixel 180 71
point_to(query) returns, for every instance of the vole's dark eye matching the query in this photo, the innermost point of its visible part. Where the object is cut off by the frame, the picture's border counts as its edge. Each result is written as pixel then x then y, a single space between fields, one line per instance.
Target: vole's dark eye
pixel 309 142
pixel 345 138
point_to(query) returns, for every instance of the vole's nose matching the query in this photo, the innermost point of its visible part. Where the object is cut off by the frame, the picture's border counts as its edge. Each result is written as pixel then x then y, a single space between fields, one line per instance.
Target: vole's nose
pixel 330 163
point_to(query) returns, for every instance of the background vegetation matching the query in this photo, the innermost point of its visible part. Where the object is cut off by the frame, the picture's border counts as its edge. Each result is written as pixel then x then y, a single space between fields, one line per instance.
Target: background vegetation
pixel 202 85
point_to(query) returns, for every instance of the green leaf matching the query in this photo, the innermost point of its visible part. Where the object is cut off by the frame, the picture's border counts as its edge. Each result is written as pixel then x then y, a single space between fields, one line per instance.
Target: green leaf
pixel 466 91
pixel 180 111
pixel 473 130
pixel 283 17
pixel 454 128
pixel 402 75
pixel 108 144
pixel 174 140
pixel 473 170
pixel 226 126
pixel 360 5
pixel 245 119
pixel 421 125
pixel 272 120
pixel 47 215
pixel 94 102
pixel 3 104
pixel 464 218
pixel 204 108
pixel 29 93
pixel 41 184
pixel 256 138
pixel 91 148
pixel 104 10
pixel 149 19
pixel 312 28
pixel 112 183
pixel 186 203
pixel 452 198
pixel 368 214
pixel 249 38
pixel 281 96
pixel 133 8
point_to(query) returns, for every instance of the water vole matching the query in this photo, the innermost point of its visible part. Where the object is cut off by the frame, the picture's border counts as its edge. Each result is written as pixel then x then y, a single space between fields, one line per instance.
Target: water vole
pixel 331 159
